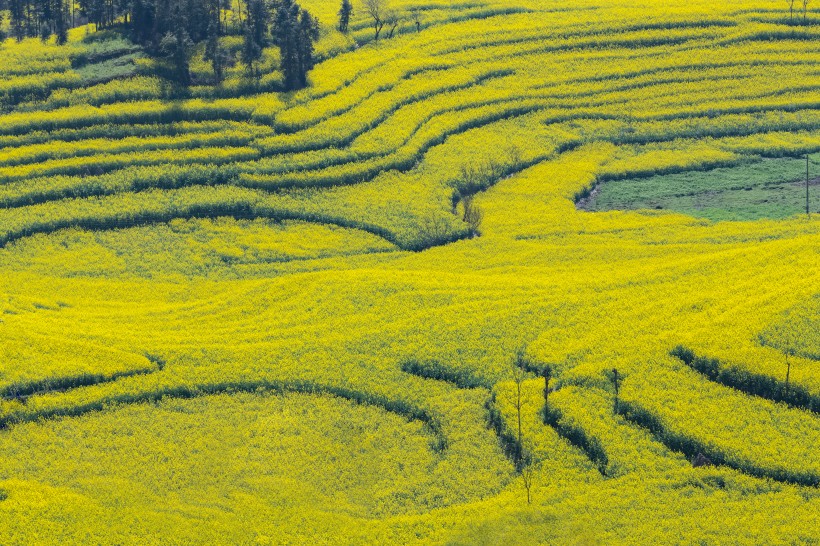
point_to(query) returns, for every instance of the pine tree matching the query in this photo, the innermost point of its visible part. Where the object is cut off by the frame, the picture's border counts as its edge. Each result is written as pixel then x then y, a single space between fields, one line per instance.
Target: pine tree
pixel 255 32
pixel 143 13
pixel 285 23
pixel 60 13
pixel 46 19
pixel 294 31
pixel 213 51
pixel 17 12
pixel 344 15
pixel 176 45
pixel 308 32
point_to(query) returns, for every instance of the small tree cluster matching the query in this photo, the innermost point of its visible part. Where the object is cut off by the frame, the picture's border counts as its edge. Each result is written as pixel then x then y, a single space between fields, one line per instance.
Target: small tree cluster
pixel 295 30
pixel 382 15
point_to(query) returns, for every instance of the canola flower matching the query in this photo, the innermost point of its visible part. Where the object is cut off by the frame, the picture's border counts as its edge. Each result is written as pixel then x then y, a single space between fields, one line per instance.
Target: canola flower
pixel 223 290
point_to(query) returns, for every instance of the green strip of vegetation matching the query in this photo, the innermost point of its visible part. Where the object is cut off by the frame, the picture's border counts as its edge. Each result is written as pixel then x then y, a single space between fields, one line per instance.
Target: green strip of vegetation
pixel 693 448
pixel 398 406
pixel 768 188
pixel 745 381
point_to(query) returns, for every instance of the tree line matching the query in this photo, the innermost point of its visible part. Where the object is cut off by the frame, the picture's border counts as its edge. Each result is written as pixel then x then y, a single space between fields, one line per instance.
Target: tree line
pixel 37 18
pixel 170 30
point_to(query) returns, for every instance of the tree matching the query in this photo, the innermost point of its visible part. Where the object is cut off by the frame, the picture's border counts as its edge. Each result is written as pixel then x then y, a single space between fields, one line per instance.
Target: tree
pixel 473 215
pixel 307 33
pixel 213 50
pixel 392 20
pixel 285 31
pixel 294 31
pixel 176 46
pixel 805 11
pixel 45 20
pixel 60 17
pixel 376 9
pixel 254 35
pixel 547 373
pixel 18 20
pixel 791 8
pixel 519 374
pixel 522 461
pixel 143 16
pixel 2 33
pixel 344 15
pixel 97 12
pixel 527 474
pixel 415 16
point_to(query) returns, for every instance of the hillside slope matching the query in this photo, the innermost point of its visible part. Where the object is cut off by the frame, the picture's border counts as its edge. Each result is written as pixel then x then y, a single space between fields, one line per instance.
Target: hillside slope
pixel 252 317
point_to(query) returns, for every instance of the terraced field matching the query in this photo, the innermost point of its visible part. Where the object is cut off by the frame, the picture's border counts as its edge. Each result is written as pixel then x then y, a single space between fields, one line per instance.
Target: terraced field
pixel 252 317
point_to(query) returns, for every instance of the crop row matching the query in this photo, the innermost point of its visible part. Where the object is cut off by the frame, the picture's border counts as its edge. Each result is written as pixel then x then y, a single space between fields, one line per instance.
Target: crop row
pixel 691 414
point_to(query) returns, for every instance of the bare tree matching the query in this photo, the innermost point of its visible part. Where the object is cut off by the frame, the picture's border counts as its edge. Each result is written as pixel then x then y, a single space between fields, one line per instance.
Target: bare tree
pixel 519 374
pixel 415 15
pixel 472 213
pixel 392 20
pixel 805 11
pixel 377 10
pixel 527 475
pixel 522 457
pixel 791 8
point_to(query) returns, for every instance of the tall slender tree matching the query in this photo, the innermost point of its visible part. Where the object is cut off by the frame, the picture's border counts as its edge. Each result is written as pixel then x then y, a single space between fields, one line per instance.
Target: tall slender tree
pixel 45 19
pixel 60 15
pixel 18 19
pixel 254 35
pixel 143 17
pixel 176 46
pixel 345 13
pixel 308 32
pixel 213 49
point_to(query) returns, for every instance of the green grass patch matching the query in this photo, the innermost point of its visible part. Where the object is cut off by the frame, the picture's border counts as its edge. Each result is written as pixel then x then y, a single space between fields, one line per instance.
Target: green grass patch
pixel 769 188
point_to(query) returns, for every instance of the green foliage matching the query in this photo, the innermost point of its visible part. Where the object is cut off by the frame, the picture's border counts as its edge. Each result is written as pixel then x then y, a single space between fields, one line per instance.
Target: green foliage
pixel 768 188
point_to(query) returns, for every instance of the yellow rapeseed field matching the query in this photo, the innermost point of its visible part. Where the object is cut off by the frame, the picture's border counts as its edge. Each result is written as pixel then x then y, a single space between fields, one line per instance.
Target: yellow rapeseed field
pixel 256 317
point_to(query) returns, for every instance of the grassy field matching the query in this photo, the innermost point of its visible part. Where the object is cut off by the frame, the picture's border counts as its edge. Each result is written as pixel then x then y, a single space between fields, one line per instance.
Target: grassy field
pixel 772 188
pixel 242 316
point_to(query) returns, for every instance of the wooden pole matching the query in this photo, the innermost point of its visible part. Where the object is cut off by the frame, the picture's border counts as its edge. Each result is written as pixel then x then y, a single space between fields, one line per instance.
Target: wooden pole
pixel 615 381
pixel 808 211
pixel 788 371
pixel 547 377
